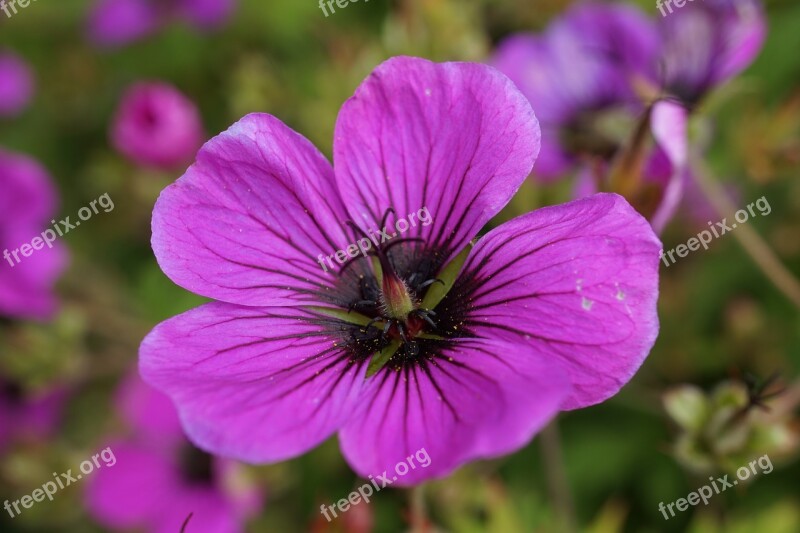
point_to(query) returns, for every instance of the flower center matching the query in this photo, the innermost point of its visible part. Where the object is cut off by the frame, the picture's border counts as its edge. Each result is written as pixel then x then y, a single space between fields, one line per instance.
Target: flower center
pixel 400 306
pixel 12 392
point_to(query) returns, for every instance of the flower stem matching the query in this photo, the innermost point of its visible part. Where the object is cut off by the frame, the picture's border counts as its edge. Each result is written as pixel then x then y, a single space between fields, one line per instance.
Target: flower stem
pixel 753 244
pixel 557 484
pixel 419 515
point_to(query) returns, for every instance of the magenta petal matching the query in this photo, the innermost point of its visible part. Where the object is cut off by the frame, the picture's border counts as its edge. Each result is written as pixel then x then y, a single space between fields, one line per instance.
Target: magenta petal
pixel 482 398
pixel 670 131
pixel 133 492
pixel 35 416
pixel 709 42
pixel 118 22
pixel 157 126
pixel 584 62
pixel 247 221
pixel 27 204
pixel 29 196
pixel 41 414
pixel 746 31
pixel 207 14
pixel 211 512
pixel 578 282
pixel 619 33
pixel 534 66
pixel 27 290
pixel 149 413
pixel 256 384
pixel 16 84
pixel 586 181
pixel 457 138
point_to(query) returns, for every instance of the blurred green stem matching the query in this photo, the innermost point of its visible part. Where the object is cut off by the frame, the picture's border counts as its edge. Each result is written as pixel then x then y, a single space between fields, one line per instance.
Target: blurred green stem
pixel 753 244
pixel 419 515
pixel 557 485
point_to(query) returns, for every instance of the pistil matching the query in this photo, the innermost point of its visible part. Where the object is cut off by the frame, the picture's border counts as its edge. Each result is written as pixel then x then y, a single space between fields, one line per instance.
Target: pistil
pixel 395 296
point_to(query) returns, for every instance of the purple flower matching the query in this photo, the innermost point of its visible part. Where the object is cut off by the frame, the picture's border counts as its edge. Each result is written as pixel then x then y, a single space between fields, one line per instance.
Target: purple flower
pixel 119 22
pixel 553 310
pixel 16 84
pixel 586 63
pixel 157 126
pixel 707 43
pixel 654 179
pixel 159 478
pixel 25 415
pixel 28 270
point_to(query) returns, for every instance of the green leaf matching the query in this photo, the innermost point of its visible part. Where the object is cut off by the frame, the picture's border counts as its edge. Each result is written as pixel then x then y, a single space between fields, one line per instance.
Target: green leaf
pixel 379 359
pixel 350 317
pixel 448 275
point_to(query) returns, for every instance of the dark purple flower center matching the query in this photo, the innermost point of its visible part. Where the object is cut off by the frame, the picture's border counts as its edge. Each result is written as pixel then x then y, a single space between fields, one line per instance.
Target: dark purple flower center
pixel 12 392
pixel 149 117
pixel 196 466
pixel 394 306
pixel 690 94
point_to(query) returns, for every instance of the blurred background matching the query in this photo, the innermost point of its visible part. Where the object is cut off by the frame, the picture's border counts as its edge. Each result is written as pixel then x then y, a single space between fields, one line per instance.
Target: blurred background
pixel 725 328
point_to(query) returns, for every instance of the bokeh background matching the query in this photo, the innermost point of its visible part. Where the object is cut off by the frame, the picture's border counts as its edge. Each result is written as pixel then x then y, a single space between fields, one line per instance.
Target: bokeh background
pixel 604 468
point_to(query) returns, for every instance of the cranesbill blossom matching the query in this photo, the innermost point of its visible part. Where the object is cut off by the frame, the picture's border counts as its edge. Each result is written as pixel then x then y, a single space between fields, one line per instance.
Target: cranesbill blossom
pixel 652 179
pixel 27 205
pixel 703 46
pixel 585 64
pixel 581 75
pixel 159 478
pixel 16 84
pixel 119 22
pixel 553 310
pixel 707 43
pixel 157 126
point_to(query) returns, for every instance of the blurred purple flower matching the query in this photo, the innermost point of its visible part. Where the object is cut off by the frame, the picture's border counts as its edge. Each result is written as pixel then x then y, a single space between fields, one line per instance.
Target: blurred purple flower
pixel 707 43
pixel 27 204
pixel 584 64
pixel 653 178
pixel 159 478
pixel 119 22
pixel 28 416
pixel 555 309
pixel 157 126
pixel 16 84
